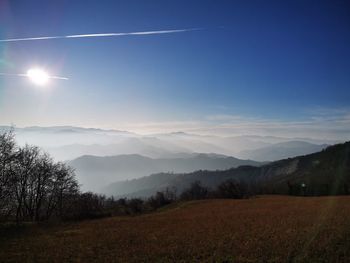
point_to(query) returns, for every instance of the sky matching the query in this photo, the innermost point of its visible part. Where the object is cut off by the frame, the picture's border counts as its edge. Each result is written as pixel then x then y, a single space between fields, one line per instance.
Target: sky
pixel 253 67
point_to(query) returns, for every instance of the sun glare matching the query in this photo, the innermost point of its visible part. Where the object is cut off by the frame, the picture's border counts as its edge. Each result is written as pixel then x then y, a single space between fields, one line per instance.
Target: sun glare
pixel 38 76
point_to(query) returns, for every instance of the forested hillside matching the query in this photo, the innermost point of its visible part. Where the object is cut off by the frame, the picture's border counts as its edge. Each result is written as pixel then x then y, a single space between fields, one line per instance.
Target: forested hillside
pixel 322 173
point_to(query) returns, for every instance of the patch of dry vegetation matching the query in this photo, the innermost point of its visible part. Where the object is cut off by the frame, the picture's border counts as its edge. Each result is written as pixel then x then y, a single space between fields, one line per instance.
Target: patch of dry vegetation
pixel 263 229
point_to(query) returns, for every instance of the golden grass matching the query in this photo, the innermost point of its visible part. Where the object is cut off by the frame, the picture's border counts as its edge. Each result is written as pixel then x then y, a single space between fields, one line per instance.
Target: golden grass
pixel 263 229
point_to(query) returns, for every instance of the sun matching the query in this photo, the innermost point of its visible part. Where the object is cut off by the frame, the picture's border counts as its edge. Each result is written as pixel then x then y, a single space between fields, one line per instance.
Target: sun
pixel 38 76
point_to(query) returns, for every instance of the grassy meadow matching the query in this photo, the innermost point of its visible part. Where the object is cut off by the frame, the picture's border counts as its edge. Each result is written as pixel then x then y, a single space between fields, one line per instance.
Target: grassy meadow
pixel 261 229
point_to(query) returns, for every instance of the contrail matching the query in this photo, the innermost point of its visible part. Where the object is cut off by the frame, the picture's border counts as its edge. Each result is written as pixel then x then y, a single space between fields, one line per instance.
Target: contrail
pixel 56 77
pixel 26 75
pixel 103 35
pixel 13 75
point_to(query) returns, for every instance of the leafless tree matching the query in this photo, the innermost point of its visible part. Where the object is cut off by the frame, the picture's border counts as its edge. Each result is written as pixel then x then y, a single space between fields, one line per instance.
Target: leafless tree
pixel 32 186
pixel 7 157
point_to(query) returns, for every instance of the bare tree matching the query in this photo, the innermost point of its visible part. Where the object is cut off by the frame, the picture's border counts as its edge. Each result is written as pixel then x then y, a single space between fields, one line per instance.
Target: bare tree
pixel 64 187
pixel 7 157
pixel 32 186
pixel 24 167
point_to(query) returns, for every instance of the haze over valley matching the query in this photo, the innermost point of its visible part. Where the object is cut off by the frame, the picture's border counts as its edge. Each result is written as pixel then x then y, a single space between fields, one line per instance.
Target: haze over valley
pixel 67 143
pixel 101 157
pixel 175 131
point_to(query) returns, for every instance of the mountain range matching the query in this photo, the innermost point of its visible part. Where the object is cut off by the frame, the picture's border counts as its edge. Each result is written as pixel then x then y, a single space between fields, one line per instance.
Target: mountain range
pixel 102 157
pixel 324 172
pixel 68 142
pixel 281 150
pixel 95 172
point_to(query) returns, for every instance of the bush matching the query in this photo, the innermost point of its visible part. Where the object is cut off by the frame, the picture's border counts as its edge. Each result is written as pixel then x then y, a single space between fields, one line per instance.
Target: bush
pixel 89 206
pixel 195 192
pixel 232 189
pixel 135 206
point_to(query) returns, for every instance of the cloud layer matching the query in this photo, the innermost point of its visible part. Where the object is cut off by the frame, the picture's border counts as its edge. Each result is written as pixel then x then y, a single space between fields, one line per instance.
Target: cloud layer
pixel 324 124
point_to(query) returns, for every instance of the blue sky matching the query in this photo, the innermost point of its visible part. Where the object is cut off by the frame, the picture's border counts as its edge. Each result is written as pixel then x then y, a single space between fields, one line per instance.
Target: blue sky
pixel 276 62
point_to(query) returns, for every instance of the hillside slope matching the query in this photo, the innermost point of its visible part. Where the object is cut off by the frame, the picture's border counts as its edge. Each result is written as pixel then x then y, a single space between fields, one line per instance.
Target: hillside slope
pixel 95 172
pixel 263 229
pixel 325 172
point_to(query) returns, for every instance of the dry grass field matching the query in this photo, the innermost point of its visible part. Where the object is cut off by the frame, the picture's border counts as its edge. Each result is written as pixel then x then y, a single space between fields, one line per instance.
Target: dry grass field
pixel 262 229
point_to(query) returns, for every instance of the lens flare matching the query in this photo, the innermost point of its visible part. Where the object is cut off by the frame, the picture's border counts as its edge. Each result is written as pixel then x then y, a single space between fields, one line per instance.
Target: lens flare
pixel 38 76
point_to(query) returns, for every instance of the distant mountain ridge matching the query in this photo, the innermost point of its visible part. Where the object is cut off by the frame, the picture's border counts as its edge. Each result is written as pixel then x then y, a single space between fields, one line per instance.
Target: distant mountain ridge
pixel 69 142
pixel 282 150
pixel 95 172
pixel 64 128
pixel 324 172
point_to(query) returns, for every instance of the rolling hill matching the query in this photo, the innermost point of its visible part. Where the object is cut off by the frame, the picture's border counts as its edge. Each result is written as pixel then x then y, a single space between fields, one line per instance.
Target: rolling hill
pixel 95 172
pixel 324 172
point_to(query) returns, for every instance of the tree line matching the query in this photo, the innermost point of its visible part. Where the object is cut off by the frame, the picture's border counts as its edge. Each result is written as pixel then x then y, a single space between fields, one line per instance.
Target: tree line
pixel 33 187
pixel 91 205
